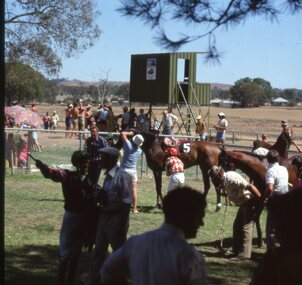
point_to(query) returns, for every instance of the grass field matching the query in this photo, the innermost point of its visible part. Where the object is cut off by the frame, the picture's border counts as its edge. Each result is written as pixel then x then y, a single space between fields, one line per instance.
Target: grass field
pixel 33 213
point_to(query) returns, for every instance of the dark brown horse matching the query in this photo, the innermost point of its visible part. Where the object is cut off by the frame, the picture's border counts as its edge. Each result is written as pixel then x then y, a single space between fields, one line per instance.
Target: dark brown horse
pixel 282 144
pixel 200 153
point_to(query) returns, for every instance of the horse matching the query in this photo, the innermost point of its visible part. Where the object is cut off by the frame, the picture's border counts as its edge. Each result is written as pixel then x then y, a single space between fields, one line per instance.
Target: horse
pixel 282 144
pixel 201 153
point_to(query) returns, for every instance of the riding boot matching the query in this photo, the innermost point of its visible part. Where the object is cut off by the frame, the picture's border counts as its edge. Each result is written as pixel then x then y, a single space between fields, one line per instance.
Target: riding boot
pixel 62 271
pixel 72 266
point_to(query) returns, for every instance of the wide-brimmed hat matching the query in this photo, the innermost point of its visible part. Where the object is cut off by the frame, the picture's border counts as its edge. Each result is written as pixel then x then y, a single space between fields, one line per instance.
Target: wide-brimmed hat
pixel 110 151
pixel 214 171
pixel 221 114
pixel 138 140
pixel 198 117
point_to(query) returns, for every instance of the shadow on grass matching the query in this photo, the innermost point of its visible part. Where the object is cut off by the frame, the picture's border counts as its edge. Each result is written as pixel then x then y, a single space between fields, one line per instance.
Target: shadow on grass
pixel 150 209
pixel 36 265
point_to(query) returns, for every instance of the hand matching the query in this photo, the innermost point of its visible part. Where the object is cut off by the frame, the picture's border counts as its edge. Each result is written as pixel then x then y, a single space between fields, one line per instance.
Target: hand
pixel 39 164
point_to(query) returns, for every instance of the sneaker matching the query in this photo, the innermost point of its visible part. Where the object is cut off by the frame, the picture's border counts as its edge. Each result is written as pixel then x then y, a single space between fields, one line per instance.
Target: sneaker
pixel 135 211
pixel 238 258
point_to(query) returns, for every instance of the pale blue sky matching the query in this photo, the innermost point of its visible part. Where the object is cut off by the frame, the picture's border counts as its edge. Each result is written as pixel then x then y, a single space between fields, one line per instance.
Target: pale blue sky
pixel 259 48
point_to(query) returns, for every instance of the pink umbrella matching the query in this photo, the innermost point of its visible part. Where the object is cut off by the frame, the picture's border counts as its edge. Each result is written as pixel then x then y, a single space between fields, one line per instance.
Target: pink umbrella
pixel 24 116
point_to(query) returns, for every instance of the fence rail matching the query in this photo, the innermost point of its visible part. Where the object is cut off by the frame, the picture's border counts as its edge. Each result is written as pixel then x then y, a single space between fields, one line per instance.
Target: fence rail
pixel 53 148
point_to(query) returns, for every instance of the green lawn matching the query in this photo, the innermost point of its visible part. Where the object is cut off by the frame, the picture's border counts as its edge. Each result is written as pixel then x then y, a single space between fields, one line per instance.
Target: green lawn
pixel 33 213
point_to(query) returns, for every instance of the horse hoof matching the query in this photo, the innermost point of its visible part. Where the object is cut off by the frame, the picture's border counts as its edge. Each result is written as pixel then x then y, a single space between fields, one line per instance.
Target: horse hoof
pixel 218 208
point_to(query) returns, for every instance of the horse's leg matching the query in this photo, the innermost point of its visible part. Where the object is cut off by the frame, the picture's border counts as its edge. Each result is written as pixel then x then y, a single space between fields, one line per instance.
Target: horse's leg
pixel 158 185
pixel 207 185
pixel 258 210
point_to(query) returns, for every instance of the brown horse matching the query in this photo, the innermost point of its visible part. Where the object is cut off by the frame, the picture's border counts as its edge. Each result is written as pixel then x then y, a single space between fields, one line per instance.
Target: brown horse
pixel 282 144
pixel 200 153
pixel 255 170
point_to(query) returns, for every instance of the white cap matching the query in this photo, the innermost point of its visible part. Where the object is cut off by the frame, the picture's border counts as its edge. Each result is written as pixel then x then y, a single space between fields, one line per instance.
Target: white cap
pixel 221 114
pixel 138 140
pixel 198 117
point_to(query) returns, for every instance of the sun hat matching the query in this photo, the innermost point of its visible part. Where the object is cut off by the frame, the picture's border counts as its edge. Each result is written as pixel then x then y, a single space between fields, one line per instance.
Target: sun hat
pixel 221 114
pixel 110 151
pixel 214 171
pixel 198 117
pixel 138 140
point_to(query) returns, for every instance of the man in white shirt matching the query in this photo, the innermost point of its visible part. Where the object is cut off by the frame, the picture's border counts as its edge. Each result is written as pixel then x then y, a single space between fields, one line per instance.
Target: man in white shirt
pixel 276 178
pixel 221 128
pixel 168 122
pixel 163 256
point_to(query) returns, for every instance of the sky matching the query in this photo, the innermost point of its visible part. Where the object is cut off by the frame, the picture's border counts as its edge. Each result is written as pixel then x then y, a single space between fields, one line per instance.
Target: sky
pixel 257 48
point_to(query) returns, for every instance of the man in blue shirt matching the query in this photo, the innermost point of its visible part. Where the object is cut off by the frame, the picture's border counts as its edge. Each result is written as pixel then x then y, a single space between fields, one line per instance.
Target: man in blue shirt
pixel 132 152
pixel 113 221
pixel 93 145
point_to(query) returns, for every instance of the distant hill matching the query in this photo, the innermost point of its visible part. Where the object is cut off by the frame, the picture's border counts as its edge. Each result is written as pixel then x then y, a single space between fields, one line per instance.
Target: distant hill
pixel 76 82
pixel 220 86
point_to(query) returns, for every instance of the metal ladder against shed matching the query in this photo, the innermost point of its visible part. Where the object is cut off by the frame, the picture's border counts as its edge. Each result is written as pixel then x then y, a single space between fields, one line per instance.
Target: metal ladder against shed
pixel 190 119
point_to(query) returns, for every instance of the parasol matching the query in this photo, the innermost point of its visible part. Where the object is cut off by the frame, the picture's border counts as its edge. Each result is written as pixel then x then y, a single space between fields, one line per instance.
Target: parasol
pixel 24 116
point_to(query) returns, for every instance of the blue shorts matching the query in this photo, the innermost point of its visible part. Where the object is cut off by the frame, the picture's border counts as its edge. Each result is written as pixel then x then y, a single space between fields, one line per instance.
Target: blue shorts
pixel 220 136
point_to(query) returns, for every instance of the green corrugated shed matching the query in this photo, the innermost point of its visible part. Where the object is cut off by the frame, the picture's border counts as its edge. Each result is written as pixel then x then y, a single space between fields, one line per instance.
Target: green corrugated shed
pixel 153 79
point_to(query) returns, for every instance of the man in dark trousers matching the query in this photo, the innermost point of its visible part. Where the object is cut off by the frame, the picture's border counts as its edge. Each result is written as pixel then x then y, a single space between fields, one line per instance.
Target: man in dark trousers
pixel 113 222
pixel 79 204
pixel 93 145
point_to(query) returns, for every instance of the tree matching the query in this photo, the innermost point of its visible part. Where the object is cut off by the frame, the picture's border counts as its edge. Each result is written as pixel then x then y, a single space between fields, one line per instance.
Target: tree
pixel 123 91
pixel 250 92
pixel 37 32
pixel 22 83
pixel 208 15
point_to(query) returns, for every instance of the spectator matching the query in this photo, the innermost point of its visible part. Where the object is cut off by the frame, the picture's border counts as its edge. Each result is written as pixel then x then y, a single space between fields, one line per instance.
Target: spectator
pixel 125 119
pixel 221 128
pixel 111 121
pixel 200 128
pixel 80 210
pixel 34 108
pixel 168 122
pixel 75 118
pixel 46 121
pixel 54 119
pixel 113 221
pixel 283 264
pixel 246 196
pixel 22 150
pixel 33 138
pixel 88 116
pixel 163 256
pixel 276 178
pixel 264 138
pixel 141 121
pixel 81 115
pixel 132 118
pixel 132 153
pixel 68 120
pixel 174 169
pixel 102 117
pixel 93 144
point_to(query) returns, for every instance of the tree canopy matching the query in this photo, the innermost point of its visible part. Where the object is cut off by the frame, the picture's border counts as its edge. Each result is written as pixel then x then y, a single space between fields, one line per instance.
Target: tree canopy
pixel 207 15
pixel 38 32
pixel 251 92
pixel 23 83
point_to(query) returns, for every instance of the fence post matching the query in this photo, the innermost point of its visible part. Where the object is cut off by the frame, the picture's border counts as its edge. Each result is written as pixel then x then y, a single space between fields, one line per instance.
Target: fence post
pixel 233 137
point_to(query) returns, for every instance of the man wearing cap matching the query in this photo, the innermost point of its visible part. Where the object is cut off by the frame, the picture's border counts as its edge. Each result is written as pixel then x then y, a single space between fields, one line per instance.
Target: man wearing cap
pixel 221 128
pixel 93 145
pixel 80 210
pixel 244 195
pixel 174 169
pixel 115 203
pixel 200 128
pixel 132 152
pixel 125 119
